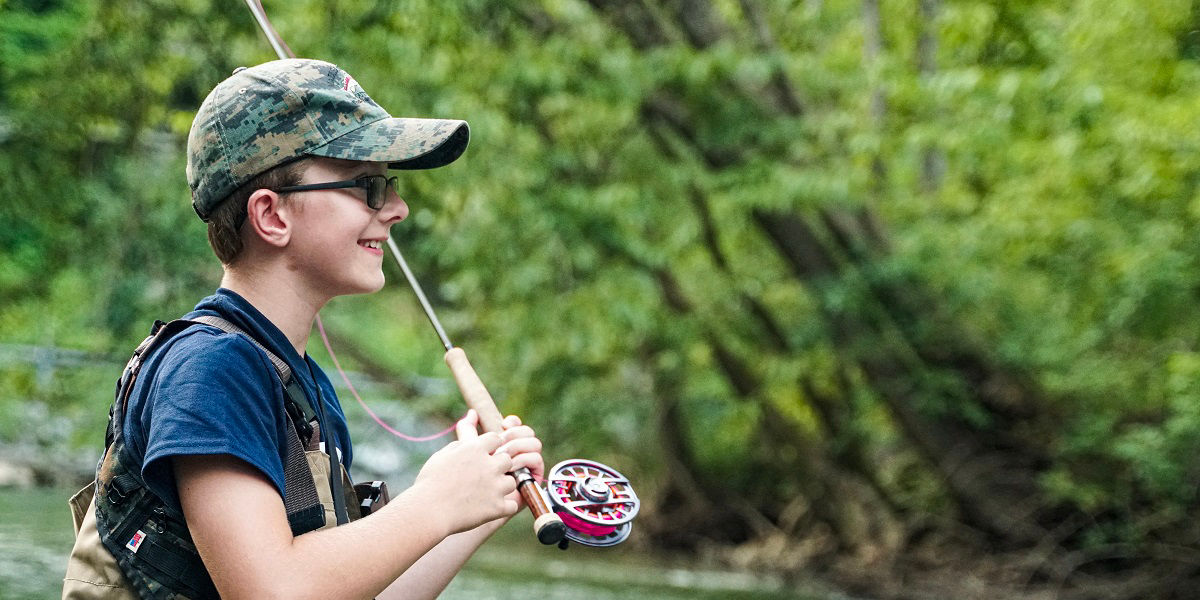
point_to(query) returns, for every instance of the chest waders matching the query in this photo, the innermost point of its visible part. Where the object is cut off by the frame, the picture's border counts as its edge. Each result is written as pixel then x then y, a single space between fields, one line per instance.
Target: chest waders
pixel 130 545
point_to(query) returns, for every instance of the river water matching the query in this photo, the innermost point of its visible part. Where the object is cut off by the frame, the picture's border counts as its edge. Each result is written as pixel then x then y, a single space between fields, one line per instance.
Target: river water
pixel 36 535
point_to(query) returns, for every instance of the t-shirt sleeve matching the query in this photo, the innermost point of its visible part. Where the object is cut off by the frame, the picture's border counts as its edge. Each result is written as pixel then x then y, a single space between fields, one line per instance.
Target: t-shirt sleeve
pixel 213 394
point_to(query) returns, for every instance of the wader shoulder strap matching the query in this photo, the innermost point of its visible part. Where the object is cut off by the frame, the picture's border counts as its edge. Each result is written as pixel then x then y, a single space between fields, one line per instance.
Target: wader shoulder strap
pixel 296 397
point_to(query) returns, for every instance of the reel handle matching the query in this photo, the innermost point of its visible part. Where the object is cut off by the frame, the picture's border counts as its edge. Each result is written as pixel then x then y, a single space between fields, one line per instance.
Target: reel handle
pixel 547 525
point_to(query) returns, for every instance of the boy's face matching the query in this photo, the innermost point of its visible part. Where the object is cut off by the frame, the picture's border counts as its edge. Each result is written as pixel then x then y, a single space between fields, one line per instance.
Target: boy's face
pixel 337 243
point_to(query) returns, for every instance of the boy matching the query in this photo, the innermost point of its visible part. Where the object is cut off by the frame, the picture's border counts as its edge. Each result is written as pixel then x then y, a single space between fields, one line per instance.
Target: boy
pixel 287 164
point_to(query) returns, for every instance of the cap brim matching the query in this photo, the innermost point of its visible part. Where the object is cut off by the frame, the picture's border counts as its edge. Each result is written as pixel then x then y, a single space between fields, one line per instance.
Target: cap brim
pixel 402 143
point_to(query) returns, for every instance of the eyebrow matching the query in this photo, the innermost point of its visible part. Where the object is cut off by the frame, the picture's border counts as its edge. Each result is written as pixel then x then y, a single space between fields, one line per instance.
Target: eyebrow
pixel 363 171
pixel 351 169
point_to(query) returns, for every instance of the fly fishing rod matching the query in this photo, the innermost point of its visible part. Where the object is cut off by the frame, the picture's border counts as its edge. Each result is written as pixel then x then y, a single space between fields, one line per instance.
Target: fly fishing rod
pixel 547 525
pixel 585 501
pixel 594 505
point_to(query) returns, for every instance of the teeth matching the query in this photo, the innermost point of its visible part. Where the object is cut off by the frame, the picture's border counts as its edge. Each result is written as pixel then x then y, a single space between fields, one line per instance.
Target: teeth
pixel 376 244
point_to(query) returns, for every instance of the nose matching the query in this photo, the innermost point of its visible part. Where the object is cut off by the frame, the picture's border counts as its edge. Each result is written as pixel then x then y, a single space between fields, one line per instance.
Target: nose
pixel 395 210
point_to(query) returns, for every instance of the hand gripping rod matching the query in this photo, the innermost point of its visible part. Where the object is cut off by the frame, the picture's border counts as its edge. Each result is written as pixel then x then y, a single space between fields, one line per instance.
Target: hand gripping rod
pixel 547 525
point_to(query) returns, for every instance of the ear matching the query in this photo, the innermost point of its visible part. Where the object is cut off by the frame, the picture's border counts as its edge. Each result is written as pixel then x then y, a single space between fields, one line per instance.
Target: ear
pixel 268 219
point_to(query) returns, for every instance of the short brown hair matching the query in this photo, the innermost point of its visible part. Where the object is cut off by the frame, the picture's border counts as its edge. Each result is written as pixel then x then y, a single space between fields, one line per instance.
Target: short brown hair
pixel 225 222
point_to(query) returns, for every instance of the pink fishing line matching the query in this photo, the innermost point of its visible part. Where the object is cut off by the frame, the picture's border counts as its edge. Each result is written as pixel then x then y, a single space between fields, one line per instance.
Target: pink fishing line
pixel 385 426
pixel 584 527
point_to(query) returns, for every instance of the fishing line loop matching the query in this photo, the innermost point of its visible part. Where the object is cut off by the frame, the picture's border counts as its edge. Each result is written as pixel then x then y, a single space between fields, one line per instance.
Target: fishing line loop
pixel 385 426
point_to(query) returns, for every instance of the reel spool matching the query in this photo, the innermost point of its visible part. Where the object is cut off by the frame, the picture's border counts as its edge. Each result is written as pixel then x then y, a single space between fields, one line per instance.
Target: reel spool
pixel 595 502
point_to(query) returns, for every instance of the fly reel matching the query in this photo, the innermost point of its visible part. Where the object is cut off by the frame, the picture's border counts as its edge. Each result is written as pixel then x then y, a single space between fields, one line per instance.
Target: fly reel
pixel 595 502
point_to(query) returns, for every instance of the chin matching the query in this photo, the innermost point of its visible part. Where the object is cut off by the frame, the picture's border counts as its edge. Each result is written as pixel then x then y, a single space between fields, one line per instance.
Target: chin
pixel 354 288
pixel 373 286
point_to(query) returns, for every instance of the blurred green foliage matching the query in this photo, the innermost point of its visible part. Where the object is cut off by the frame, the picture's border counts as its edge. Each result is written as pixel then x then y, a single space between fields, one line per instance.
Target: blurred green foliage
pixel 1033 167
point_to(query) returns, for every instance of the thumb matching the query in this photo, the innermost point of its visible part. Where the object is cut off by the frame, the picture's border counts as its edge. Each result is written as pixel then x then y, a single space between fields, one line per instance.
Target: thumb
pixel 465 428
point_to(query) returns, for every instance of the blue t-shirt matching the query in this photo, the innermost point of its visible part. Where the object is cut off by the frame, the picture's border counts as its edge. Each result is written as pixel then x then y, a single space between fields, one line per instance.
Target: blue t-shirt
pixel 210 392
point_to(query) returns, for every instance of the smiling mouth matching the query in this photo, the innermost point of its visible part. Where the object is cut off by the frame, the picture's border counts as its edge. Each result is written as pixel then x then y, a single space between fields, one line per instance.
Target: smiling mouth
pixel 374 244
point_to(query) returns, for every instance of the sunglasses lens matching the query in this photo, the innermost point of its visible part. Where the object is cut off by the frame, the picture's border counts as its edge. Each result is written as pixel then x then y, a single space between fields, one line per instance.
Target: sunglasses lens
pixel 377 192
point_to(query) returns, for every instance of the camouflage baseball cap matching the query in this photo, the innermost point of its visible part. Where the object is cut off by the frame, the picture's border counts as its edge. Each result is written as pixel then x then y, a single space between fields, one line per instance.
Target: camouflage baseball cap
pixel 264 116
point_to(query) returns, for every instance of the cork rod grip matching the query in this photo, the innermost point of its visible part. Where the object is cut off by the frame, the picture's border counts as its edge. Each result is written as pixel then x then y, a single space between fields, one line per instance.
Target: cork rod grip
pixel 547 525
pixel 473 391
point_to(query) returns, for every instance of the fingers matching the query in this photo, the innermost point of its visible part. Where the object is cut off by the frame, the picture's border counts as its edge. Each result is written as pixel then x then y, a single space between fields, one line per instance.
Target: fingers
pixel 515 448
pixel 516 432
pixel 507 484
pixel 488 442
pixel 503 461
pixel 523 445
pixel 509 487
pixel 533 462
pixel 511 506
pixel 467 427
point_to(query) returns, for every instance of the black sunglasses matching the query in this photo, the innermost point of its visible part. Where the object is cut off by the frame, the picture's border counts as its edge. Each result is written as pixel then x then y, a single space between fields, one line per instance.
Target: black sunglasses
pixel 376 186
